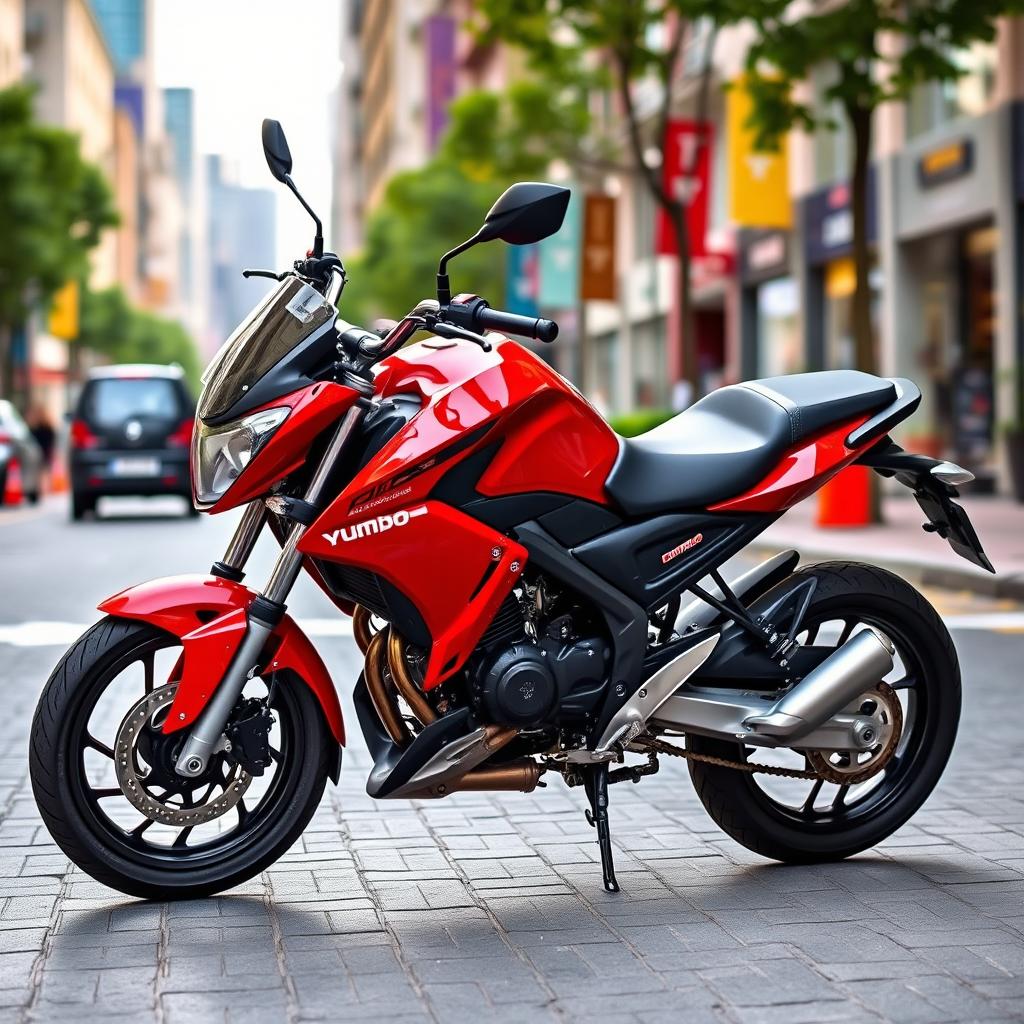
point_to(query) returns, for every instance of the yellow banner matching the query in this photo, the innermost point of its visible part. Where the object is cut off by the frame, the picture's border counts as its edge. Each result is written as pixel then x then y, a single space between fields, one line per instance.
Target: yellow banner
pixel 758 180
pixel 63 322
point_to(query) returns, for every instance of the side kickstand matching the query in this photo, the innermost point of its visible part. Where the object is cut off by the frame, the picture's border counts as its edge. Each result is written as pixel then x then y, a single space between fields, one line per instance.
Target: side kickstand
pixel 595 784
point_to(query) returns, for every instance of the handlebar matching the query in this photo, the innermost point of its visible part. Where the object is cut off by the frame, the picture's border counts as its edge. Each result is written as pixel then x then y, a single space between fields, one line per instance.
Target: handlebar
pixel 514 323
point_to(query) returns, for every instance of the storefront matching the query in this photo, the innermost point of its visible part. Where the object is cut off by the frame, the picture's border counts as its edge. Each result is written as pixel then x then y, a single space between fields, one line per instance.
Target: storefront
pixel 770 338
pixel 827 224
pixel 949 235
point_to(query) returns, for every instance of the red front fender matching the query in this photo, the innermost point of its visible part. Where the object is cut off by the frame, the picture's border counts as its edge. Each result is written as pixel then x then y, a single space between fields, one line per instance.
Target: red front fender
pixel 209 615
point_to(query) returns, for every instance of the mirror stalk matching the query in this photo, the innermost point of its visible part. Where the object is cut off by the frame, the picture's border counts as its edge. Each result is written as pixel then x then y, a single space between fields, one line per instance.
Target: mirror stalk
pixel 318 239
pixel 444 287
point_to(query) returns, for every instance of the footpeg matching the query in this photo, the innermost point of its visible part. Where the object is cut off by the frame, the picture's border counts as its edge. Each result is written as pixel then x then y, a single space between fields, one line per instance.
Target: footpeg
pixel 595 784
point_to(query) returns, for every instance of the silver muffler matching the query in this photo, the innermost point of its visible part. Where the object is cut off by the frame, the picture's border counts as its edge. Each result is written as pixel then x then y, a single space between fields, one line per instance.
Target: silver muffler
pixel 810 715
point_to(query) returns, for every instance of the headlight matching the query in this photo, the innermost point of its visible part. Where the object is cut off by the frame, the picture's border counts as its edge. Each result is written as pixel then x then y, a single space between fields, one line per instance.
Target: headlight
pixel 219 454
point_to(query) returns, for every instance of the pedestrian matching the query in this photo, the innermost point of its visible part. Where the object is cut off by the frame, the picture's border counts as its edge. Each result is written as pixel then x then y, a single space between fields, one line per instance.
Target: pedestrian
pixel 41 427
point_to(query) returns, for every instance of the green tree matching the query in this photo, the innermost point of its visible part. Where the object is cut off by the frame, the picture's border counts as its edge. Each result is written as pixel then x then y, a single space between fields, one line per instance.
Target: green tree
pixel 493 139
pixel 111 326
pixel 53 207
pixel 582 45
pixel 878 51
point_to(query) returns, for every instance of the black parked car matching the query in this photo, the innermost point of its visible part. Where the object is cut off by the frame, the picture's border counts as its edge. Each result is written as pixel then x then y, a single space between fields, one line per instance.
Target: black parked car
pixel 130 435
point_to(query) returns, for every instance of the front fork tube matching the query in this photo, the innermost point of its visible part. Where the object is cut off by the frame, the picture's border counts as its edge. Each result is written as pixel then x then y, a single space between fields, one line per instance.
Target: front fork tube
pixel 265 612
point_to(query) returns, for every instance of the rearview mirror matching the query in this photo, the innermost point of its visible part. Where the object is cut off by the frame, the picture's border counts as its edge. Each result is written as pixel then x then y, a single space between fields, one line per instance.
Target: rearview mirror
pixel 525 212
pixel 275 149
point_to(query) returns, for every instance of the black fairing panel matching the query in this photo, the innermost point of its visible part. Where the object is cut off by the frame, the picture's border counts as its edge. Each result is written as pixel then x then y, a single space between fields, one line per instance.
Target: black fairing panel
pixel 654 560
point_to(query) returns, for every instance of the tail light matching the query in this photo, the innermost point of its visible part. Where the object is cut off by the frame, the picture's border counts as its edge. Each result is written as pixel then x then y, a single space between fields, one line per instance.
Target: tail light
pixel 182 436
pixel 82 436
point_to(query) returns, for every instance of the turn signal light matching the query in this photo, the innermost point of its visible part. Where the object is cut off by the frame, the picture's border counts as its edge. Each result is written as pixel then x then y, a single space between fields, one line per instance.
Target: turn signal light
pixel 82 436
pixel 182 437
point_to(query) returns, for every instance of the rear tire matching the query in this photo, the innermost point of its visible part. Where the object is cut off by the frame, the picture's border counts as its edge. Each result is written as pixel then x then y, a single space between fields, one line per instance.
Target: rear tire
pixel 743 809
pixel 114 855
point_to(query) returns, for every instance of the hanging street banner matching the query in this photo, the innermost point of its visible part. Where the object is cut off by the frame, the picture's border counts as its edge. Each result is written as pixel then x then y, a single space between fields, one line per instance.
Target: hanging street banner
pixel 522 279
pixel 686 174
pixel 439 30
pixel 597 279
pixel 63 319
pixel 560 261
pixel 758 179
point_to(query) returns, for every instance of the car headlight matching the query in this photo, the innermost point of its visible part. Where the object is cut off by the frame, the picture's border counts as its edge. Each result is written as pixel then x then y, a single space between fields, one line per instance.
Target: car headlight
pixel 219 454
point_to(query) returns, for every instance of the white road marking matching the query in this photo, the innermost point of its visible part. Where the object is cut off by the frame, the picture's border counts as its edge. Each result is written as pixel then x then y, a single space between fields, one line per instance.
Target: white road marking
pixel 43 633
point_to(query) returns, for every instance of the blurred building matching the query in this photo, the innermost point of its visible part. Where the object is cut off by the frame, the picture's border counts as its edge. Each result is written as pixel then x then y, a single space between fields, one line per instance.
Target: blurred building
pixel 403 64
pixel 242 232
pixel 12 41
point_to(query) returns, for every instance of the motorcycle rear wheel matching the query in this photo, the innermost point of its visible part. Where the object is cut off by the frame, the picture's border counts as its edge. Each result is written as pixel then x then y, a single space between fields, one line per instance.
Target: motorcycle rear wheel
pixel 90 819
pixel 825 821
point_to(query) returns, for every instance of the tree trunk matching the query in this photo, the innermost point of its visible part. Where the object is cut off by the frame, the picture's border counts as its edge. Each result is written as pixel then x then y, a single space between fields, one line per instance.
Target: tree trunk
pixel 6 361
pixel 863 330
pixel 687 327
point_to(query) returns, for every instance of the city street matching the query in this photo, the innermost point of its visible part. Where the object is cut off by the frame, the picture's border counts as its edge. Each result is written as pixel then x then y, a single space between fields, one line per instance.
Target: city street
pixel 490 907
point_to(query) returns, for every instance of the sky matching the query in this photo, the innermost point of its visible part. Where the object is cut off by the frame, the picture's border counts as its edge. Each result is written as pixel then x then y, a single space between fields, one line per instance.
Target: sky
pixel 251 59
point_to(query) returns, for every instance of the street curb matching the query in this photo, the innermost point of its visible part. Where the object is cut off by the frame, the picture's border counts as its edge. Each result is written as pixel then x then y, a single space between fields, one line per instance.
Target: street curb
pixel 929 574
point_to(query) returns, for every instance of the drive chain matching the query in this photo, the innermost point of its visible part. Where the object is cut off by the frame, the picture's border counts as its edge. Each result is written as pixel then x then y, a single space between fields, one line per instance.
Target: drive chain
pixel 669 749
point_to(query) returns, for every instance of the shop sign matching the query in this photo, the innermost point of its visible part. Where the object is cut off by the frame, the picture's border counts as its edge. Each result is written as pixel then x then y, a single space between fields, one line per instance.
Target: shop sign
pixel 828 221
pixel 758 179
pixel 63 319
pixel 560 261
pixel 764 254
pixel 686 174
pixel 521 279
pixel 598 277
pixel 947 162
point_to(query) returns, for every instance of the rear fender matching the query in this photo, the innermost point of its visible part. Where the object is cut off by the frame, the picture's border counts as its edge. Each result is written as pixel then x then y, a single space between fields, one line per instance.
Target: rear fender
pixel 934 485
pixel 209 615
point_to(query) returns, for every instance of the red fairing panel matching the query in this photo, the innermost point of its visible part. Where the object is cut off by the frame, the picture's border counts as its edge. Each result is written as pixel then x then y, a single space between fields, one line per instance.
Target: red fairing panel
pixel 314 409
pixel 511 392
pixel 455 570
pixel 800 472
pixel 175 604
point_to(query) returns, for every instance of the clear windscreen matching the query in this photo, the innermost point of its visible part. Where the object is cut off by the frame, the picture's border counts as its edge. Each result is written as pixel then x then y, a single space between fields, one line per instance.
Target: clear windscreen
pixel 283 320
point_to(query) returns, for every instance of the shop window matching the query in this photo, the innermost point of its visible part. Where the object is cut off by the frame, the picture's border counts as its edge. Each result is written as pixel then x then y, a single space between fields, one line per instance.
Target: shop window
pixel 779 348
pixel 840 283
pixel 934 104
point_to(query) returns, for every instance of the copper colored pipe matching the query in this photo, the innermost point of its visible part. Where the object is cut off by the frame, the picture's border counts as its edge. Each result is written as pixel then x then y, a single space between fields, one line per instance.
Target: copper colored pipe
pixel 521 775
pixel 377 685
pixel 361 628
pixel 404 682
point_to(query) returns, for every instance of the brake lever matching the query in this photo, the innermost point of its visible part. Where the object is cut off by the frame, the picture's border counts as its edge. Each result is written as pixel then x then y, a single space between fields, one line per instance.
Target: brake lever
pixel 446 330
pixel 267 273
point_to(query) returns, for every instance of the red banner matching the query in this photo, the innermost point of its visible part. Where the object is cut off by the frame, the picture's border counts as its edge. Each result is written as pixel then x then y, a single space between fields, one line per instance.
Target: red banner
pixel 686 174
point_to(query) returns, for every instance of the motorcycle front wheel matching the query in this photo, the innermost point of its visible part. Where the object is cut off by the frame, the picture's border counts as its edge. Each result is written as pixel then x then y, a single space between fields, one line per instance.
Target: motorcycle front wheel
pixel 856 805
pixel 103 772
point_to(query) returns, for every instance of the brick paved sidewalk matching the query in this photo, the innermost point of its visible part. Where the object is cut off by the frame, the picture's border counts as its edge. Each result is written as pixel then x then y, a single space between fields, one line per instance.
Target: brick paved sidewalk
pixel 485 907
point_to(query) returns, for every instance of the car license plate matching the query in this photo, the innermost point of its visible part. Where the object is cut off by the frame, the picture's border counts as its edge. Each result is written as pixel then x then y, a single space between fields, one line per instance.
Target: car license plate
pixel 135 467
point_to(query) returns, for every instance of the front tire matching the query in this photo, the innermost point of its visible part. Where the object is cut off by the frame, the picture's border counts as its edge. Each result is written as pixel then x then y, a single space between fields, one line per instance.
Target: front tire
pixel 779 821
pixel 71 763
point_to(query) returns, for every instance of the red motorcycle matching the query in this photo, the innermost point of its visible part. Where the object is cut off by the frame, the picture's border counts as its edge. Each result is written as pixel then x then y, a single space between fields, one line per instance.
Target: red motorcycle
pixel 533 595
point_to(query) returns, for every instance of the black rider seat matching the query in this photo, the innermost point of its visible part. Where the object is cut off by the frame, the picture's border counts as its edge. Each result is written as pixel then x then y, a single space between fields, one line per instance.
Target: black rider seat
pixel 729 441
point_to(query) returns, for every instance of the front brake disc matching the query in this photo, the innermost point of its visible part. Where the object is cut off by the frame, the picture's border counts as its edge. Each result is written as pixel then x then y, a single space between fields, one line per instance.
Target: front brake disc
pixel 132 775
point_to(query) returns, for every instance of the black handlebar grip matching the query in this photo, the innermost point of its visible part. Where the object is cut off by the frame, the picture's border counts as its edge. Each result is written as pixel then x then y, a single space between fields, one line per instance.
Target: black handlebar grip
pixel 514 323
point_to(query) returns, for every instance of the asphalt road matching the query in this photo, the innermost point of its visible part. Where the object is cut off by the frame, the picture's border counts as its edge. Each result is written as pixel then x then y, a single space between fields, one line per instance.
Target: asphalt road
pixel 491 907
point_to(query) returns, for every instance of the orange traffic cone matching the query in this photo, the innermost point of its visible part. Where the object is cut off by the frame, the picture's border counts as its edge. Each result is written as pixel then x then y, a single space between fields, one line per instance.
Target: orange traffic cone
pixel 58 474
pixel 13 492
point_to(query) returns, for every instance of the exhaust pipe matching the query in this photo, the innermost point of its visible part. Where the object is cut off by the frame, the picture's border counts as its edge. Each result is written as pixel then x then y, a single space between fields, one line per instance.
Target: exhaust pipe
pixel 853 669
pixel 810 715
